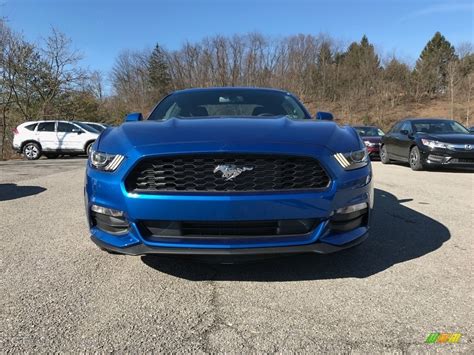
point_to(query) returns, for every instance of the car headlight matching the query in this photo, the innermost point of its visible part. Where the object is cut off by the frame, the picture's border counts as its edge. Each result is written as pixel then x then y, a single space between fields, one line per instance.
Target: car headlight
pixel 435 144
pixel 353 160
pixel 104 161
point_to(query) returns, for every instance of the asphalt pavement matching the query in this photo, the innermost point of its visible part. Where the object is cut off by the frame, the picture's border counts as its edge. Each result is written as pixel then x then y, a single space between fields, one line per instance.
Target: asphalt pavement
pixel 412 277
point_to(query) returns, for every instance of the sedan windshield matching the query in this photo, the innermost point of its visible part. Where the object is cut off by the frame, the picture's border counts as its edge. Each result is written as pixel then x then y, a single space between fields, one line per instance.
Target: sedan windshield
pixel 369 131
pixel 229 103
pixel 438 127
pixel 97 127
pixel 86 127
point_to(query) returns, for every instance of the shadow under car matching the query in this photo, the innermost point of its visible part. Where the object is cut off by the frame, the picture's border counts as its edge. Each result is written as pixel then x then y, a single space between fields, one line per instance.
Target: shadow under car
pixel 398 234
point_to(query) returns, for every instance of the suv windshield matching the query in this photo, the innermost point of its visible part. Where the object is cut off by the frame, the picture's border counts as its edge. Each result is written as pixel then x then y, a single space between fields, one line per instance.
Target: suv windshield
pixel 369 131
pixel 229 103
pixel 438 127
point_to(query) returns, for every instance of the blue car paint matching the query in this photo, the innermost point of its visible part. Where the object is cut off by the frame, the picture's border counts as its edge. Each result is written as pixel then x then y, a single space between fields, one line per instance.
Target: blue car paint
pixel 318 139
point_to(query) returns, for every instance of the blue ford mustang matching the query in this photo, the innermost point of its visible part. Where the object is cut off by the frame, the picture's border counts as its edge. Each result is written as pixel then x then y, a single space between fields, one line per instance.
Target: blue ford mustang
pixel 228 171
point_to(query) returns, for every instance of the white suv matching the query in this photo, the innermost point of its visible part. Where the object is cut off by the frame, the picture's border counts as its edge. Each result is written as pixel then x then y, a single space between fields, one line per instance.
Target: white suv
pixel 52 138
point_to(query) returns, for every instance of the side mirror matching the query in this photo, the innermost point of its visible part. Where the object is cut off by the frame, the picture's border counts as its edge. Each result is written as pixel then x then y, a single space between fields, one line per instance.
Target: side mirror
pixel 404 132
pixel 327 116
pixel 134 117
pixel 77 130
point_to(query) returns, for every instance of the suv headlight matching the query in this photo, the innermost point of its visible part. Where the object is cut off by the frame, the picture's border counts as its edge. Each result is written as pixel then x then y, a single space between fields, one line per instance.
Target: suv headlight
pixel 353 160
pixel 105 161
pixel 435 144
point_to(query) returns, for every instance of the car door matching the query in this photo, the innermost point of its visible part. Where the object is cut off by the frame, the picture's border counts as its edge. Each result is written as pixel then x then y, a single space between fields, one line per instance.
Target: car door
pixel 66 135
pixel 389 139
pixel 78 137
pixel 404 141
pixel 46 135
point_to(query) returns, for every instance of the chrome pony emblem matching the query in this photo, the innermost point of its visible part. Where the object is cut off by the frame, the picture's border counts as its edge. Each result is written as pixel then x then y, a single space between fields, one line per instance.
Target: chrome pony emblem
pixel 231 171
pixel 468 147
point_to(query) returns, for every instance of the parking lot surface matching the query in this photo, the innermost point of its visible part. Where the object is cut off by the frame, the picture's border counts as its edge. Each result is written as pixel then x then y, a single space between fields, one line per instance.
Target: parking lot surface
pixel 412 277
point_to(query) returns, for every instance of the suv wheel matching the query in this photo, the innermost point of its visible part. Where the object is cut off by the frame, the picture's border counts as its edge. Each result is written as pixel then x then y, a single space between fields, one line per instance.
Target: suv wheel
pixel 89 148
pixel 32 151
pixel 415 159
pixel 384 155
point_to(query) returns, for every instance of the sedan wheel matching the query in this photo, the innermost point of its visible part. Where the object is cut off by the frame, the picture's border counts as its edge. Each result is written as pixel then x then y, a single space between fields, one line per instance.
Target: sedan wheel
pixel 384 155
pixel 415 159
pixel 32 151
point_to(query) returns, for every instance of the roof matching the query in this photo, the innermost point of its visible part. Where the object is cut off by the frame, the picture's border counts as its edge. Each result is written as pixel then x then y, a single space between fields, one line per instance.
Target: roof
pixel 231 88
pixel 426 119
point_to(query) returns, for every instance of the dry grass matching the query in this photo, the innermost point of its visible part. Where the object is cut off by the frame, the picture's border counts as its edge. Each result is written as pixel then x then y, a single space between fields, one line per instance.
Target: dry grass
pixel 384 118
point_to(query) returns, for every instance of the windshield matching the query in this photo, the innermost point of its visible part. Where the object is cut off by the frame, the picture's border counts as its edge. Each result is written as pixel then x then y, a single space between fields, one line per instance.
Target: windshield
pixel 438 127
pixel 229 103
pixel 86 127
pixel 369 131
pixel 97 127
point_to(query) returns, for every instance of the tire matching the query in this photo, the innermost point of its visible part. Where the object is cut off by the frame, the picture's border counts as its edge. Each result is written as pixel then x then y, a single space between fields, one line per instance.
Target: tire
pixel 32 151
pixel 415 159
pixel 51 155
pixel 88 148
pixel 384 155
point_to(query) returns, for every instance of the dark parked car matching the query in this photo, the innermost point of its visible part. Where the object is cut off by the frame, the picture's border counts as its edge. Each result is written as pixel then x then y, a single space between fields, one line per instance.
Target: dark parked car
pixel 372 137
pixel 428 142
pixel 97 126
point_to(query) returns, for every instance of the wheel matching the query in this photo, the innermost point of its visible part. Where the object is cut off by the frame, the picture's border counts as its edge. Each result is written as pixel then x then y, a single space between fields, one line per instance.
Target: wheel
pixel 384 155
pixel 32 151
pixel 89 148
pixel 51 155
pixel 415 159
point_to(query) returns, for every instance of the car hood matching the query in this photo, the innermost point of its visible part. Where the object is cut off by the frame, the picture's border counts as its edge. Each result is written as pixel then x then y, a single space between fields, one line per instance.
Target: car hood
pixel 225 131
pixel 449 138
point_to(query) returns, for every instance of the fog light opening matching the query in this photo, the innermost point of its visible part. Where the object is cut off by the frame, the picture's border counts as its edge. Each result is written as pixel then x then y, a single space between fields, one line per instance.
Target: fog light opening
pixel 349 218
pixel 352 208
pixel 109 220
pixel 107 211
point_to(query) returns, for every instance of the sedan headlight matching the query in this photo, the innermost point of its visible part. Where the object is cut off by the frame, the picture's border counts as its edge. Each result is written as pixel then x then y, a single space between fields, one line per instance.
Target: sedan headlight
pixel 353 160
pixel 435 144
pixel 105 161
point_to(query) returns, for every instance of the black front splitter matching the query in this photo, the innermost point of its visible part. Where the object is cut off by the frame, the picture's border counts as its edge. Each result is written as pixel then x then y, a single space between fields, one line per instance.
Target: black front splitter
pixel 318 247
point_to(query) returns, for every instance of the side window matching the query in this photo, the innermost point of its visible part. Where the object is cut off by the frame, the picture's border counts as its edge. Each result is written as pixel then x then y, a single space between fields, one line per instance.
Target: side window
pixel 396 128
pixel 65 127
pixel 406 126
pixel 46 127
pixel 31 127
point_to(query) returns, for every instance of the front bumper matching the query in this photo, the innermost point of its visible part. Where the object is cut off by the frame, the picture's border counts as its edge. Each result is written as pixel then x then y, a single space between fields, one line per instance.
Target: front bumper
pixel 347 188
pixel 374 151
pixel 448 158
pixel 318 247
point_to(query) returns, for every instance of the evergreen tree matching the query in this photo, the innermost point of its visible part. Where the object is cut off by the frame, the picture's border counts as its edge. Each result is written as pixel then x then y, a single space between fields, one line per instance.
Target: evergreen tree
pixel 361 68
pixel 159 76
pixel 431 68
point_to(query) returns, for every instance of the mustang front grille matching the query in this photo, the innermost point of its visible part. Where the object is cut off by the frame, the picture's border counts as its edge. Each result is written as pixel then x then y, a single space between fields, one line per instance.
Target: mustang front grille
pixel 226 172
